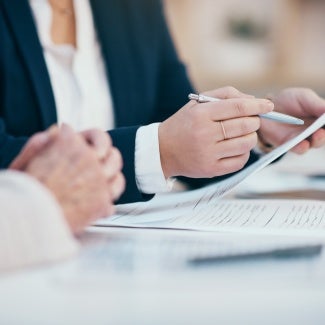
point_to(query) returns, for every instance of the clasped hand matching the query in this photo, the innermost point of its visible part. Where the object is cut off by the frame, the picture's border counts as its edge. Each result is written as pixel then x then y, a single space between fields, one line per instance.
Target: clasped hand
pixel 82 170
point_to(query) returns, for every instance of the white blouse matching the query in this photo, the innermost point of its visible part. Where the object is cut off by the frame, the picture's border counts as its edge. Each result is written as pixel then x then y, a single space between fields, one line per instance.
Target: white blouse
pixel 78 77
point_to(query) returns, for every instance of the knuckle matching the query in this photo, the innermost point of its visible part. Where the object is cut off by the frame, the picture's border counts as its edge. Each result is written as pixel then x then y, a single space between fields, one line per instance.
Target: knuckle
pixel 240 162
pixel 250 124
pixel 246 145
pixel 109 139
pixel 254 139
pixel 121 182
pixel 230 91
pixel 257 123
pixel 117 156
pixel 102 136
pixel 250 142
pixel 265 105
pixel 246 126
pixel 243 160
pixel 34 138
pixel 118 186
pixel 241 108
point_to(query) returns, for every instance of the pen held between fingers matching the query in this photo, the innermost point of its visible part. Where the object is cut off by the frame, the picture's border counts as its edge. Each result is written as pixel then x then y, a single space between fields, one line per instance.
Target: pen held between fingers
pixel 275 116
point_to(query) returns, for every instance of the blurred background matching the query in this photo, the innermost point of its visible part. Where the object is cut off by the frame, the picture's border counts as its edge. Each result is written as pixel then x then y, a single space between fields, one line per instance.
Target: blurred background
pixel 258 46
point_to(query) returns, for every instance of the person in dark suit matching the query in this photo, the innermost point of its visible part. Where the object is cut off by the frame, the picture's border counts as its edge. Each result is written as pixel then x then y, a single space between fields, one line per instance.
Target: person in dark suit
pixel 112 63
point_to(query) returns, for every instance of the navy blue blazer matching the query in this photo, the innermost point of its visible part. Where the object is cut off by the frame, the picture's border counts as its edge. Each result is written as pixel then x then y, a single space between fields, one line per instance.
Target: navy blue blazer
pixel 148 82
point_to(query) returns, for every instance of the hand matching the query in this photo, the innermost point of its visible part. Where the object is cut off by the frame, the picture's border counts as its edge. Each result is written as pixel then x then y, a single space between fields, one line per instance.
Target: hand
pixel 211 139
pixel 100 141
pixel 111 159
pixel 71 170
pixel 299 102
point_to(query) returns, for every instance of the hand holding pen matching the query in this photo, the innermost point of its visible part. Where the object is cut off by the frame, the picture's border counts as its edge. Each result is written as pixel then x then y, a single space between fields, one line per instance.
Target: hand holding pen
pixel 274 116
pixel 215 138
pixel 211 139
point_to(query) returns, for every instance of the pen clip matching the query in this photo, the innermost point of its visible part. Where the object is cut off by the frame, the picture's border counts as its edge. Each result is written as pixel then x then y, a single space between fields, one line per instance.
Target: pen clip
pixel 194 97
pixel 202 98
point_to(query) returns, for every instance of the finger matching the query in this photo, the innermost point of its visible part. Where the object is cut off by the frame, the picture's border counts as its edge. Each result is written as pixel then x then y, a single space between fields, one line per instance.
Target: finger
pixel 301 148
pixel 234 108
pixel 99 140
pixel 70 141
pixel 73 148
pixel 318 139
pixel 310 101
pixel 236 146
pixel 35 144
pixel 232 164
pixel 112 164
pixel 238 127
pixel 117 186
pixel 66 129
pixel 226 93
pixel 66 132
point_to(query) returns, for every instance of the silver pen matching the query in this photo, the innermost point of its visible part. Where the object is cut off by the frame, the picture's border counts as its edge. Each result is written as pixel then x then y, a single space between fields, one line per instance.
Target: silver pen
pixel 275 116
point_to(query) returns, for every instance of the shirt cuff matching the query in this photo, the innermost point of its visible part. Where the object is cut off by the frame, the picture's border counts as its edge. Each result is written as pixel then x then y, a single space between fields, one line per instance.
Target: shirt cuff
pixel 148 171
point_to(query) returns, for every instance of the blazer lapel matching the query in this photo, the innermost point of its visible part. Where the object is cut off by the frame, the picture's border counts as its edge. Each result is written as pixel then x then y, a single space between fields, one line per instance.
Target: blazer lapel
pixel 24 30
pixel 110 24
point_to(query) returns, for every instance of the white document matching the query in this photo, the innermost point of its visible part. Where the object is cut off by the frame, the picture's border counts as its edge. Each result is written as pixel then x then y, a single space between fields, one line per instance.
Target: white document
pixel 202 210
pixel 281 217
